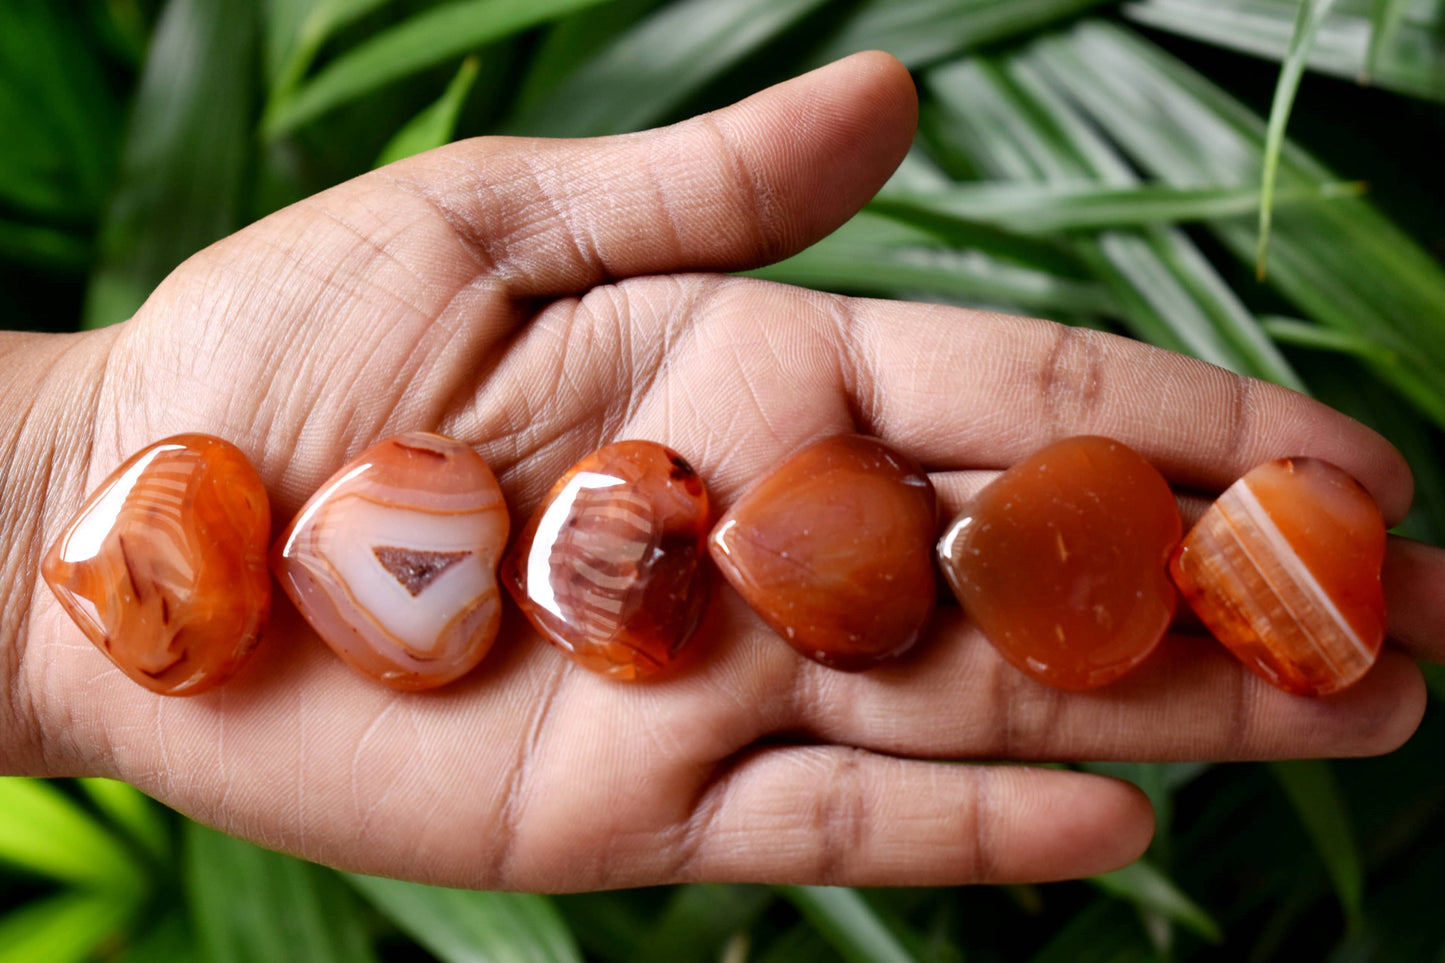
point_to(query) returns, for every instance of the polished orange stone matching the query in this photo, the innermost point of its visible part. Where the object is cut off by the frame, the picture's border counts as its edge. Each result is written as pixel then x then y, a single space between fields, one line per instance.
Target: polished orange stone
pixel 1062 561
pixel 394 560
pixel 164 566
pixel 1284 569
pixel 833 550
pixel 609 569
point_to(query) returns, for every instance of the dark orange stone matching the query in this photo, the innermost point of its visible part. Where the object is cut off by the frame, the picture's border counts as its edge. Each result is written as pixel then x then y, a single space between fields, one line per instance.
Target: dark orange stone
pixel 1062 561
pixel 833 550
pixel 1284 569
pixel 164 567
pixel 609 569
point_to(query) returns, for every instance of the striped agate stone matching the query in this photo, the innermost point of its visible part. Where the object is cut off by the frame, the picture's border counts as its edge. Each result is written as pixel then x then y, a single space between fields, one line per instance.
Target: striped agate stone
pixel 833 549
pixel 164 567
pixel 1284 569
pixel 394 560
pixel 1062 561
pixel 609 569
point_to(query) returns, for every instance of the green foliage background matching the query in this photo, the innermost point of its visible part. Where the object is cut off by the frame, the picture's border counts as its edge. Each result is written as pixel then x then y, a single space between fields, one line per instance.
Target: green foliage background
pixel 1097 163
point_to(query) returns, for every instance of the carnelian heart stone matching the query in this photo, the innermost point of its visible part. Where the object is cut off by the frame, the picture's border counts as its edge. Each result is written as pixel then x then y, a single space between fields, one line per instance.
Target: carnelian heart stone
pixel 609 569
pixel 833 550
pixel 164 567
pixel 1062 561
pixel 394 560
pixel 1284 569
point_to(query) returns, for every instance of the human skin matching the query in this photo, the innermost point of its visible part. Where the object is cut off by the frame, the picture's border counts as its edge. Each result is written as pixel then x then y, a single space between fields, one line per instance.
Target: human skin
pixel 537 299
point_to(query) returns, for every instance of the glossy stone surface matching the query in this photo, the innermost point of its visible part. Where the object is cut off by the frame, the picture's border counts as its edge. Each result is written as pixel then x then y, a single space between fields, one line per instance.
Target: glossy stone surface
pixel 1062 561
pixel 1284 569
pixel 609 569
pixel 833 550
pixel 164 567
pixel 394 560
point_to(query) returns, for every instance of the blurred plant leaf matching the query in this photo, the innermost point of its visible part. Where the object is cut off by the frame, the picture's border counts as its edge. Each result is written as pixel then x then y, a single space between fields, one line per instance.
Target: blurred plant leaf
pixel 45 247
pixel 801 944
pixel 1408 57
pixel 919 32
pixel 426 39
pixel 65 928
pixel 646 72
pixel 186 148
pixel 133 811
pixel 251 905
pixel 167 939
pixel 1307 24
pixel 296 31
pixel 573 40
pixel 1305 334
pixel 1150 889
pixel 1104 931
pixel 610 925
pixel 700 918
pixel 1342 263
pixel 46 833
pixel 848 922
pixel 437 124
pixel 465 926
pixel 1051 208
pixel 1314 794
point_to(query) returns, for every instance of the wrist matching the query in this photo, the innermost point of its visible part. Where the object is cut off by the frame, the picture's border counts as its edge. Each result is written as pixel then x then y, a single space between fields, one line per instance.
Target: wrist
pixel 49 386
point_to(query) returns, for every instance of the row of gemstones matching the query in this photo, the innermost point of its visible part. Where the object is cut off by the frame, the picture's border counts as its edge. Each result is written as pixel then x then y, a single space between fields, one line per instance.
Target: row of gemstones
pixel 1067 562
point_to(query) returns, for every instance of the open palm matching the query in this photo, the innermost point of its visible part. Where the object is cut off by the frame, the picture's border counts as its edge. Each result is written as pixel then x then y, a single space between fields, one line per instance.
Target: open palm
pixel 537 299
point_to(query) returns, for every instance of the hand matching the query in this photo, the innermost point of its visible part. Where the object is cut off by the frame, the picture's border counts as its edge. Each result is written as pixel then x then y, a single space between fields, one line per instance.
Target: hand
pixel 537 299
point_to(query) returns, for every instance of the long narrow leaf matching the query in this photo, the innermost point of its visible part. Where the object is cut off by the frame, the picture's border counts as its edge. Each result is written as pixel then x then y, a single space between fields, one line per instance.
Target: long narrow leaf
pixel 437 123
pixel 1307 24
pixel 1384 25
pixel 700 918
pixel 66 928
pixel 1314 794
pixel 847 921
pixel 132 810
pixel 1147 887
pixel 463 926
pixel 45 832
pixel 426 39
pixel 646 72
pixel 255 906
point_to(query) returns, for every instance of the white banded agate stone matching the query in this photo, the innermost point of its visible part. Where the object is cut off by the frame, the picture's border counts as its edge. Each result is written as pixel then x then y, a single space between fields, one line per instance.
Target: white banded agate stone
pixel 394 560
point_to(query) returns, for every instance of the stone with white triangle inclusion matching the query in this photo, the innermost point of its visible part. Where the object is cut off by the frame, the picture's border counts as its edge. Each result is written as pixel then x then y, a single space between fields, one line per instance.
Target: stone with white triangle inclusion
pixel 394 560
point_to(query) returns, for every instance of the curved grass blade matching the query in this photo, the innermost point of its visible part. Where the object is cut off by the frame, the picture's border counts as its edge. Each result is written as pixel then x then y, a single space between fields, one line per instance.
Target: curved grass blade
pixel 1307 24
pixel 1384 26
pixel 1104 931
pixel 296 31
pixel 1305 334
pixel 573 40
pixel 845 920
pixel 186 152
pixel 141 817
pixel 1314 794
pixel 45 247
pixel 700 918
pixel 251 905
pixel 465 926
pixel 68 928
pixel 1149 889
pixel 436 124
pixel 646 72
pixel 44 832
pixel 428 38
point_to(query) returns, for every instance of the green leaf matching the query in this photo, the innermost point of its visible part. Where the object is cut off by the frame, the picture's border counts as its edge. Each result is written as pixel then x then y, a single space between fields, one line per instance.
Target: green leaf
pixel 426 39
pixel 1304 334
pixel 45 832
pixel 464 926
pixel 699 919
pixel 133 811
pixel 437 124
pixel 1388 16
pixel 1105 931
pixel 251 905
pixel 1312 791
pixel 67 928
pixel 44 247
pixel 920 32
pixel 574 40
pixel 1307 24
pixel 185 156
pixel 296 31
pixel 845 920
pixel 638 78
pixel 1149 889
pixel 801 944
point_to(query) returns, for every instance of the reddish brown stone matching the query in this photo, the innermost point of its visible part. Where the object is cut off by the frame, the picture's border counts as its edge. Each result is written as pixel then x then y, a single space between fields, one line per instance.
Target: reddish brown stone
pixel 609 567
pixel 164 567
pixel 1284 569
pixel 833 550
pixel 1062 561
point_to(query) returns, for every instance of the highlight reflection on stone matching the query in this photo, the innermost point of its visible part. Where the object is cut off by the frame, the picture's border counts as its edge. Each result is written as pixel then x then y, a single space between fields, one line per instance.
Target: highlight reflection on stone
pixel 1062 561
pixel 164 567
pixel 609 567
pixel 394 560
pixel 1284 569
pixel 833 550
